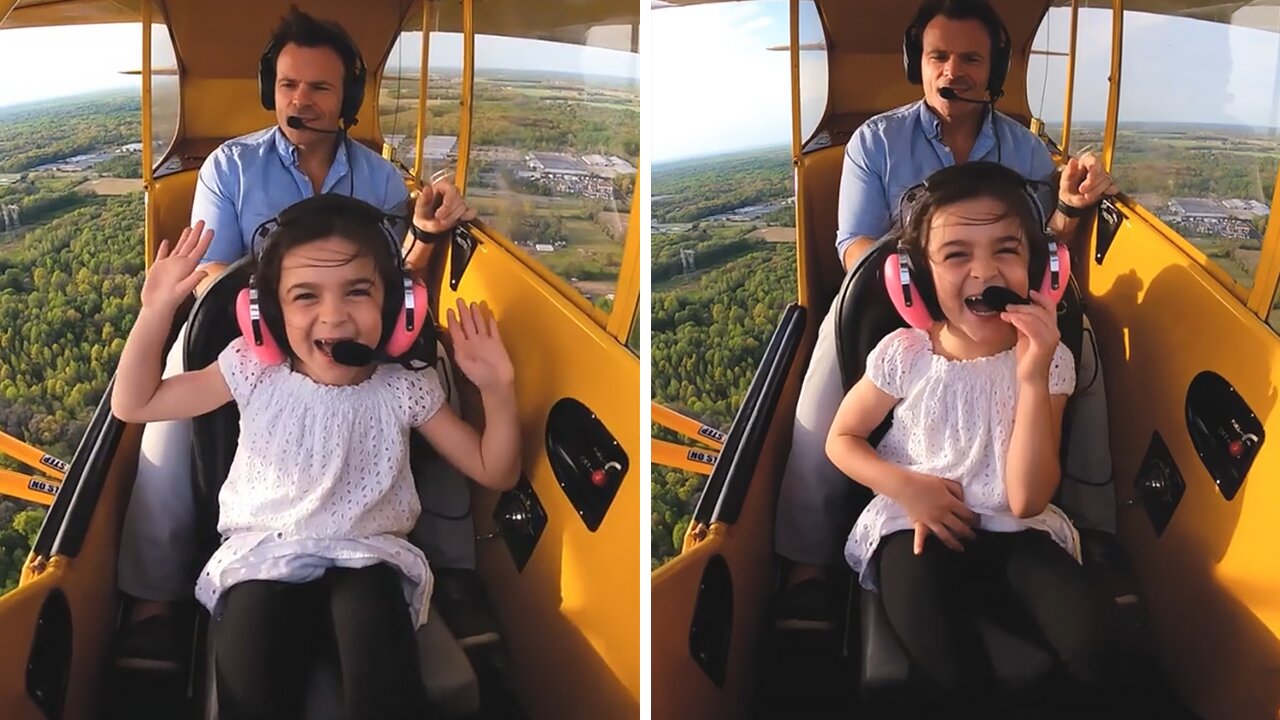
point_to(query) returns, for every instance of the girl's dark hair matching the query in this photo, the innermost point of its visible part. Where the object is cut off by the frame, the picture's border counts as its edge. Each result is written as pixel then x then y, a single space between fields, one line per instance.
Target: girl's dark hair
pixel 320 217
pixel 957 183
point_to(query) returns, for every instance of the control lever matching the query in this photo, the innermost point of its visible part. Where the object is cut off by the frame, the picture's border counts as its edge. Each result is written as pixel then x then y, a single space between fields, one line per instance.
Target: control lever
pixel 610 471
pixel 517 520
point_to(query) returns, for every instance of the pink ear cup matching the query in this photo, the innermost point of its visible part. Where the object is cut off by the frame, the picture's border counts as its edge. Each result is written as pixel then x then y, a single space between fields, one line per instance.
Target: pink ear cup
pixel 269 352
pixel 1064 276
pixel 917 316
pixel 401 340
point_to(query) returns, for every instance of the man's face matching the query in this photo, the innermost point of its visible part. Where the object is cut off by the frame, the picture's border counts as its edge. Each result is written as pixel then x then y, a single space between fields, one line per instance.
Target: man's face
pixel 957 54
pixel 308 85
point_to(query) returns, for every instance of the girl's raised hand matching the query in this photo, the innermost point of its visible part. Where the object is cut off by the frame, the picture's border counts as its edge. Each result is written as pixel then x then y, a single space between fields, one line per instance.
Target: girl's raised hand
pixel 477 347
pixel 173 276
pixel 1038 336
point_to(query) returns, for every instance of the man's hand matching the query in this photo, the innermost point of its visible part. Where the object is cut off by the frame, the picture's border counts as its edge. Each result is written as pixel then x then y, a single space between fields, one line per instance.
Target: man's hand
pixel 440 207
pixel 211 272
pixel 1084 182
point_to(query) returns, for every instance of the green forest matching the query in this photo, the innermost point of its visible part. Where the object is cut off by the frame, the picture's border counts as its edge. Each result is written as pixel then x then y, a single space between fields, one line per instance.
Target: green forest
pixel 70 275
pixel 535 115
pixel 708 335
pixel 40 133
pixel 68 293
pixel 19 524
pixel 710 326
pixel 691 190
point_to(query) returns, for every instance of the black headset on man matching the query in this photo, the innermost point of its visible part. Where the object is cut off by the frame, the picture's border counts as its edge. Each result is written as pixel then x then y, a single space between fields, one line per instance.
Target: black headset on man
pixel 354 73
pixel 1001 53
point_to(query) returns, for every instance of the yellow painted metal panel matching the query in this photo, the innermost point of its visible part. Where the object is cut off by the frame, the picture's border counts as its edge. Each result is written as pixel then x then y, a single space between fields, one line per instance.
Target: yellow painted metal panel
pixel 1210 582
pixel 574 610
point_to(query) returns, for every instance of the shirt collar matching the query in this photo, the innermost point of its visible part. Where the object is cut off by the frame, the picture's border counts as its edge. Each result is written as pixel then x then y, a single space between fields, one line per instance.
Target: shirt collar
pixel 288 153
pixel 932 125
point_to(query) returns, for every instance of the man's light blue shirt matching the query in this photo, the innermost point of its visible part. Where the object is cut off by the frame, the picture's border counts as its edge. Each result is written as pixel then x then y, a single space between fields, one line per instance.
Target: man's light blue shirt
pixel 250 179
pixel 898 149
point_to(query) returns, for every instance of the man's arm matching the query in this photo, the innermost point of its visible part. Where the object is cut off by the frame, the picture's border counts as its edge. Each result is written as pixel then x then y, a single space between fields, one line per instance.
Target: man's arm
pixel 855 250
pixel 213 203
pixel 863 214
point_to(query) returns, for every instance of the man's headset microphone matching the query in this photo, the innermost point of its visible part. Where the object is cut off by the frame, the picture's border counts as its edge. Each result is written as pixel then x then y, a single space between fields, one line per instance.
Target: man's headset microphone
pixel 298 123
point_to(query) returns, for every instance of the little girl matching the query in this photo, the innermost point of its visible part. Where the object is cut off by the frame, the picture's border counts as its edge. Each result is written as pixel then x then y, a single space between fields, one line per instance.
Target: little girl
pixel 964 476
pixel 319 499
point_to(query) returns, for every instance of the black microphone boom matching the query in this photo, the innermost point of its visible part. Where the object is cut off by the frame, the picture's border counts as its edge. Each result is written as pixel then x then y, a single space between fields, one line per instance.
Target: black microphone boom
pixel 995 297
pixel 353 354
pixel 298 123
pixel 949 94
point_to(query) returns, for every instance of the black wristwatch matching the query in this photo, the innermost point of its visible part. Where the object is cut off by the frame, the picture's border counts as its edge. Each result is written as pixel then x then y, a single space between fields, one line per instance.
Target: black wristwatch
pixel 425 237
pixel 1072 211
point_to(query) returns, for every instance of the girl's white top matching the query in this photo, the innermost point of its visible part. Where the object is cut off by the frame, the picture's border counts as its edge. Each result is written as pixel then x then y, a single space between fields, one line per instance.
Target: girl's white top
pixel 320 477
pixel 953 421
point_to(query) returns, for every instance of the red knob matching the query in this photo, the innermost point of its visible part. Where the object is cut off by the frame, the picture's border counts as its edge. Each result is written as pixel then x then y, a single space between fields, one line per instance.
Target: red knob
pixel 599 477
pixel 1236 448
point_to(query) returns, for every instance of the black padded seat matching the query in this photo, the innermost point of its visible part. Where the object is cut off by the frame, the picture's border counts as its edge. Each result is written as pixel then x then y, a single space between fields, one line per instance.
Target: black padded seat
pixel 451 683
pixel 865 316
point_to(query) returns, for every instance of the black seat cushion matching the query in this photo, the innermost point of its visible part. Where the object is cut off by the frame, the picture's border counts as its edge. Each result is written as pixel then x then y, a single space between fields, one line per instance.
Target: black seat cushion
pixel 865 315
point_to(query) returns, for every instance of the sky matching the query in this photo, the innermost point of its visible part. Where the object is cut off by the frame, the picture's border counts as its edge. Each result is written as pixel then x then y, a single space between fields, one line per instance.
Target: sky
pixel 112 48
pixel 1174 70
pixel 117 48
pixel 721 90
pixel 734 94
pixel 717 87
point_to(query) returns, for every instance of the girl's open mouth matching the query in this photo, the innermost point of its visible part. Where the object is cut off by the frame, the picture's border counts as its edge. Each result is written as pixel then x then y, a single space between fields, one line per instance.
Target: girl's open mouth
pixel 979 307
pixel 326 346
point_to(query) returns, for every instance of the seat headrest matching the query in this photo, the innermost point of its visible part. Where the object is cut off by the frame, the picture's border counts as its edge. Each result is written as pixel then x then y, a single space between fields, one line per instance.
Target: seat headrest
pixel 864 313
pixel 211 326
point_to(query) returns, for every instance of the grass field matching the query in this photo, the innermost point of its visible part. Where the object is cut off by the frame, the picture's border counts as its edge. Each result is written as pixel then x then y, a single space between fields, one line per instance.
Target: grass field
pixel 775 234
pixel 591 259
pixel 112 186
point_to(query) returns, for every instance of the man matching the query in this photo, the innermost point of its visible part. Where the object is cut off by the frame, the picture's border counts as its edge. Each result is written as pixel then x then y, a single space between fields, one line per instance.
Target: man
pixel 312 76
pixel 959 51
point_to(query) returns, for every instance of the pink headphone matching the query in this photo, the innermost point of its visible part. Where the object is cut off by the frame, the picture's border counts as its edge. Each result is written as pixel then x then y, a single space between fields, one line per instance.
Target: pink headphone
pixel 410 308
pixel 905 293
pixel 906 297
